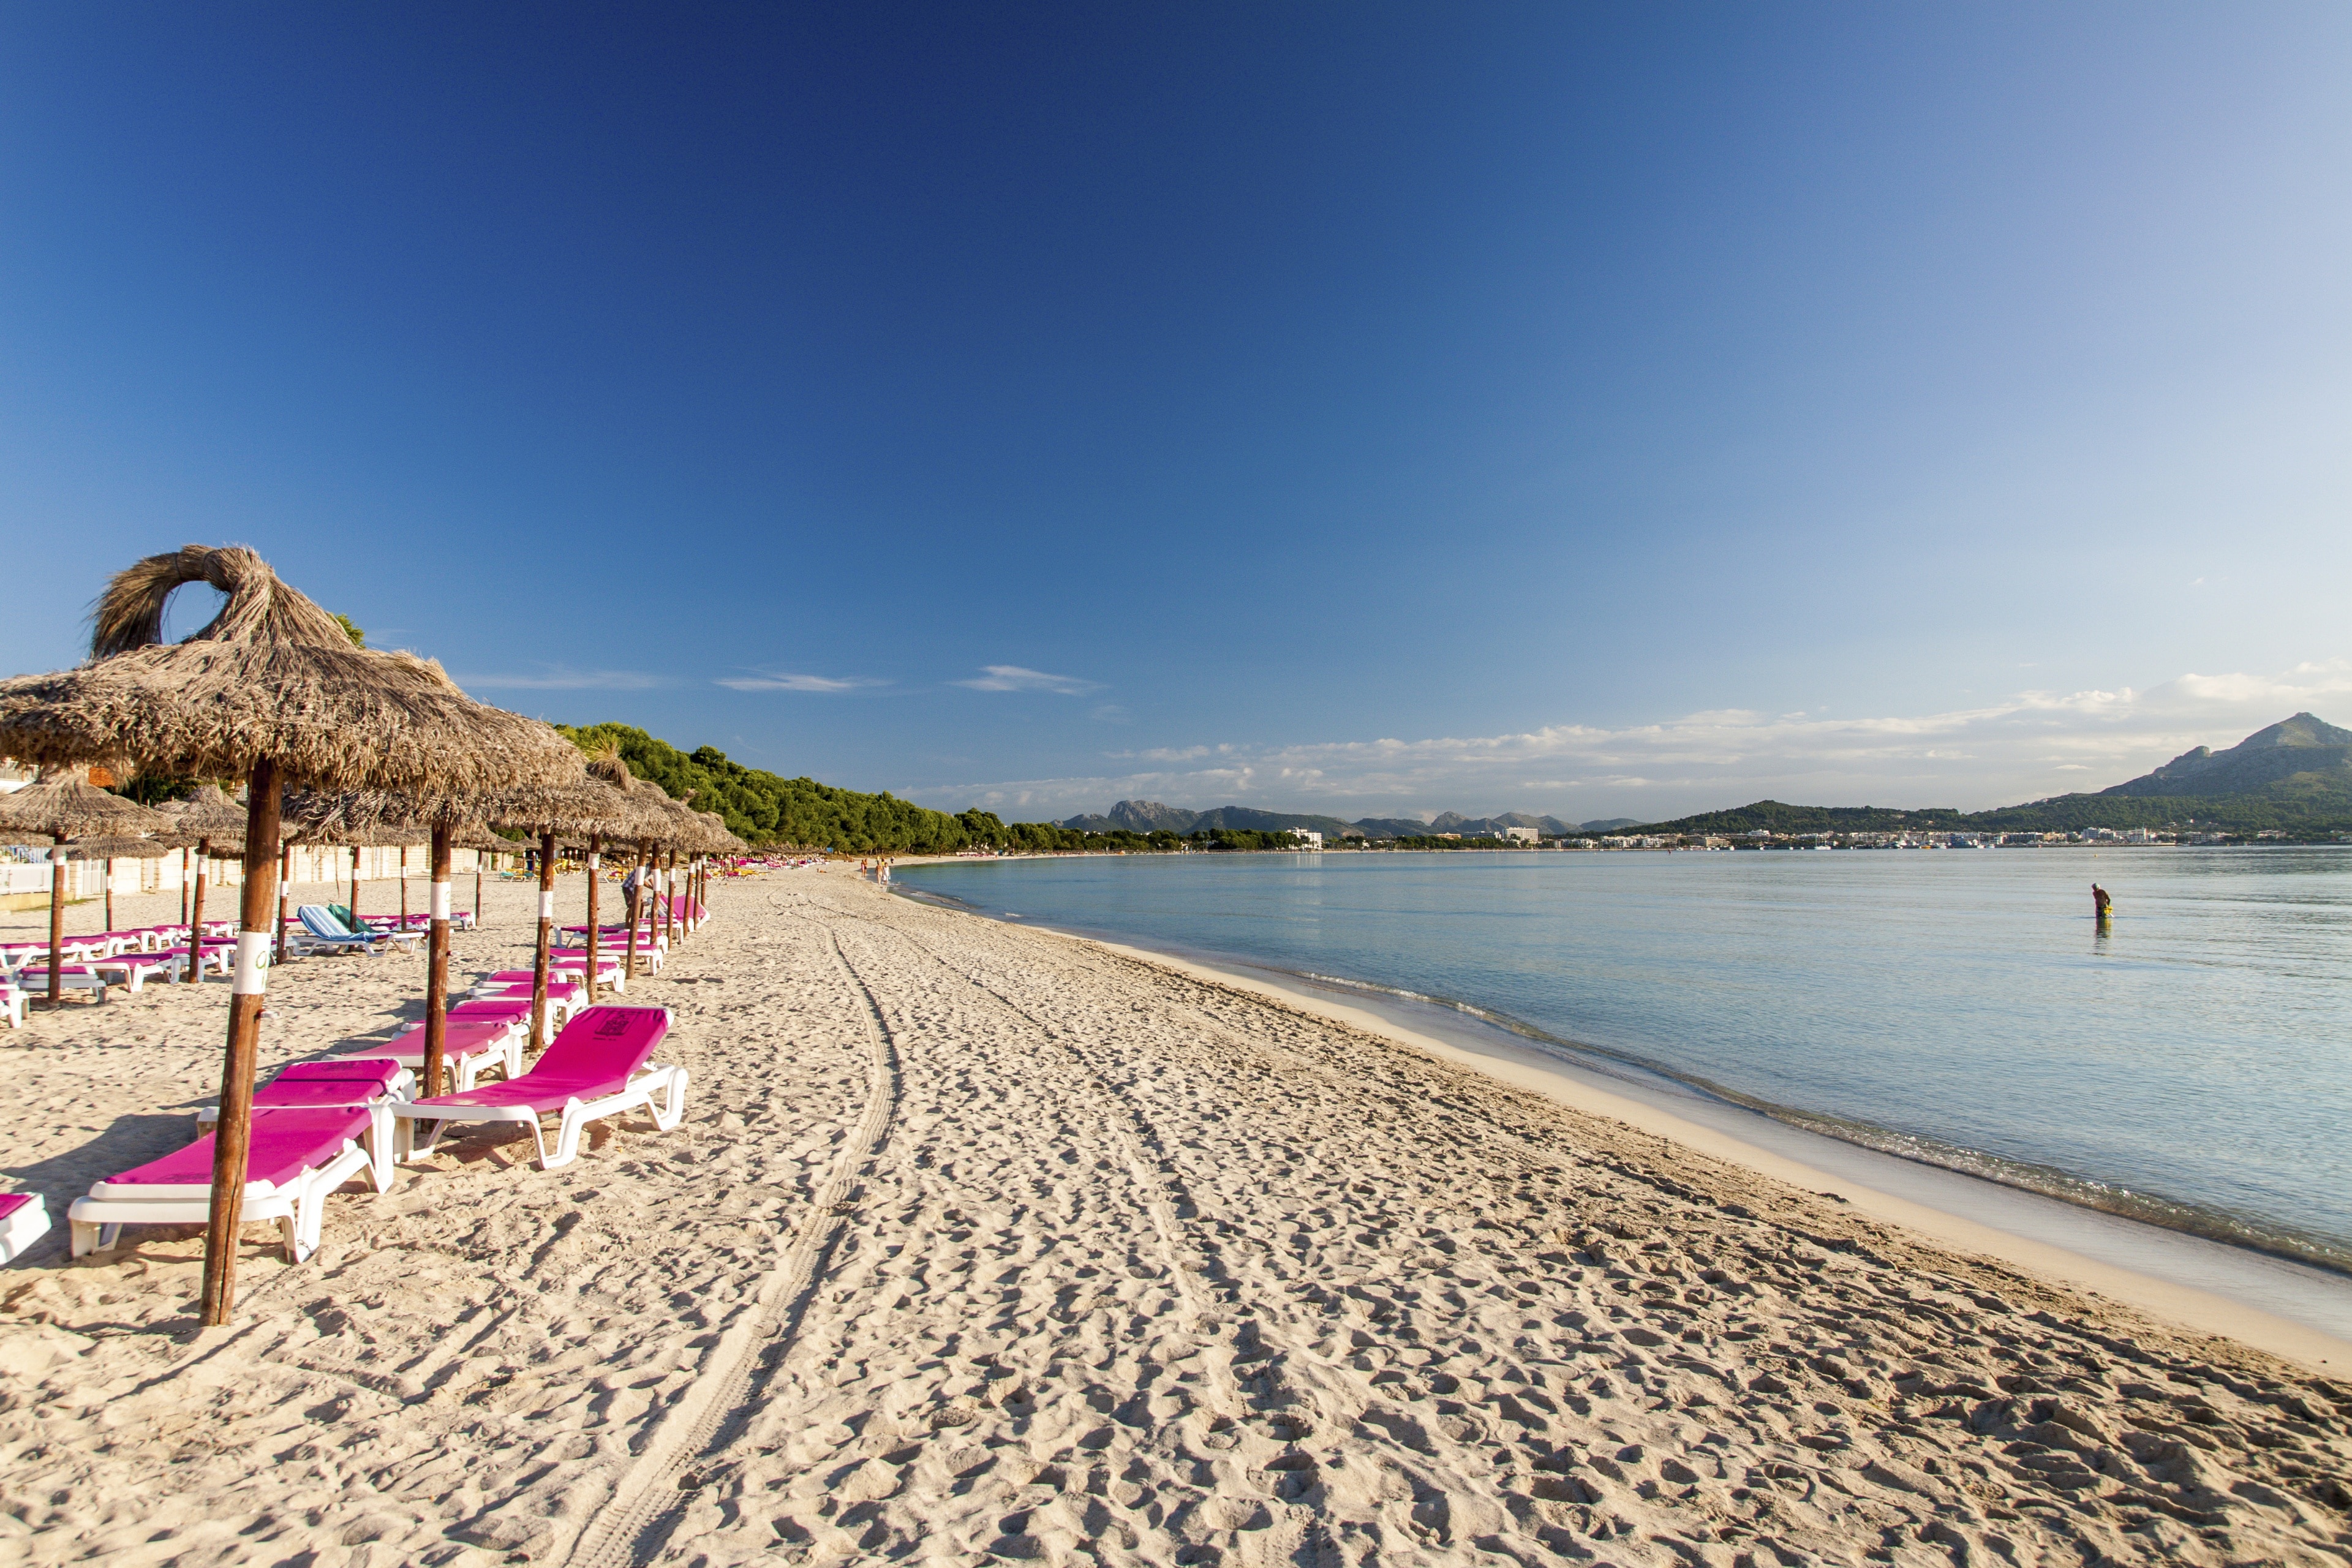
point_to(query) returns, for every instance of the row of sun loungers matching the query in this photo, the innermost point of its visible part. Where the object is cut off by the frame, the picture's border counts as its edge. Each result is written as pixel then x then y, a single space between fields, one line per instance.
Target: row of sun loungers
pixel 318 1125
pixel 128 959
pixel 99 962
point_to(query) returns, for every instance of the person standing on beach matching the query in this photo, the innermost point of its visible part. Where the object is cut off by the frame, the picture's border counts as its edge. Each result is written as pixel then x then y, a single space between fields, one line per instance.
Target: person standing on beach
pixel 2100 902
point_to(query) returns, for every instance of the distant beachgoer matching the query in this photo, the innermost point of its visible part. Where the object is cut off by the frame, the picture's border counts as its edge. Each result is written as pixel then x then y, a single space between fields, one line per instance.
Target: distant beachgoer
pixel 2100 902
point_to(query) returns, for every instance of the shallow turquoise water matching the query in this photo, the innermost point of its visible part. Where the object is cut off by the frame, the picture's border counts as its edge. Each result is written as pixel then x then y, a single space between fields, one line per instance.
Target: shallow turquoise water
pixel 2190 1065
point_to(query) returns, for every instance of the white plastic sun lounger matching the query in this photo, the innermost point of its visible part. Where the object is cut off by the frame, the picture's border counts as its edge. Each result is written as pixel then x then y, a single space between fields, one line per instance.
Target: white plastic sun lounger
pixel 370 1082
pixel 469 1047
pixel 296 1157
pixel 595 1068
pixel 23 1221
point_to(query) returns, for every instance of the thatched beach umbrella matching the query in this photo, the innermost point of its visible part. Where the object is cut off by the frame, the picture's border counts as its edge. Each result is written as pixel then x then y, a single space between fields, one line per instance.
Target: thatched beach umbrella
pixel 583 812
pixel 207 822
pixel 271 691
pixel 685 828
pixel 62 804
pixel 657 822
pixel 647 821
pixel 483 842
pixel 109 848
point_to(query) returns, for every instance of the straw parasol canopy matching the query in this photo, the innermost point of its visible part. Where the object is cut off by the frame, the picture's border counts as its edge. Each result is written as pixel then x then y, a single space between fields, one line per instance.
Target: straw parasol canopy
pixel 483 840
pixel 117 847
pixel 62 805
pixel 208 813
pixel 353 819
pixel 274 691
pixel 272 677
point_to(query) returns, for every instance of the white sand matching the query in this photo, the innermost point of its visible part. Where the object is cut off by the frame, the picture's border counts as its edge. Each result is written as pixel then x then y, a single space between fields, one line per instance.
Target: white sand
pixel 979 1241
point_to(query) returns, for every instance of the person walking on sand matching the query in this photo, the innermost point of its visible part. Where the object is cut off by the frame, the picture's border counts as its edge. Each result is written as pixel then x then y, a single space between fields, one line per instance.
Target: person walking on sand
pixel 2100 902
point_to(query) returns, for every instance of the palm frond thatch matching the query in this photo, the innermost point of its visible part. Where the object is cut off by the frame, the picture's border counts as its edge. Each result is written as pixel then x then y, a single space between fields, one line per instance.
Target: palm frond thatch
pixel 209 813
pixel 273 676
pixel 352 819
pixel 63 801
pixel 117 847
pixel 571 812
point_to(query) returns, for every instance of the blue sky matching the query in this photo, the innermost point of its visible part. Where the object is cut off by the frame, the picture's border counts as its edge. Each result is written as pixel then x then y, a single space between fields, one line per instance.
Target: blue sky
pixel 1594 410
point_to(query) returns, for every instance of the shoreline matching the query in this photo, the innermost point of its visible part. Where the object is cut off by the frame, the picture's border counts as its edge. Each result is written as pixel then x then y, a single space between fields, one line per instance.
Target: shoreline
pixel 2202 1312
pixel 2307 1331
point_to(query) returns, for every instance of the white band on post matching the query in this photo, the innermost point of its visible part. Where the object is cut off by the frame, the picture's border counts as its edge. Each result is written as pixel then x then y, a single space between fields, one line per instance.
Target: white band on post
pixel 547 906
pixel 251 977
pixel 440 900
pixel 592 862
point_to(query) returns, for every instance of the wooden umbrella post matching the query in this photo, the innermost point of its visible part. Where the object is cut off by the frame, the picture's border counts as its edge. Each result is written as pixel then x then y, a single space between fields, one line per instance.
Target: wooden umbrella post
pixel 437 979
pixel 57 920
pixel 595 841
pixel 197 915
pixel 232 1138
pixel 546 939
pixel 183 887
pixel 478 888
pixel 285 878
pixel 629 967
pixel 403 888
pixel 357 929
pixel 109 874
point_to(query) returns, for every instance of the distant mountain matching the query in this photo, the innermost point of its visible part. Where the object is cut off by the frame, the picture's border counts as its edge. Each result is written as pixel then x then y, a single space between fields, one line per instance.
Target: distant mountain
pixel 2295 776
pixel 1393 827
pixel 2296 758
pixel 1151 816
pixel 1608 824
pixel 1492 826
pixel 1272 821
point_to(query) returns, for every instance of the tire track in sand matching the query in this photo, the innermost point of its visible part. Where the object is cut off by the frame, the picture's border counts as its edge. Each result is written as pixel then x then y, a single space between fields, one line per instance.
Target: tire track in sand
pixel 647 1502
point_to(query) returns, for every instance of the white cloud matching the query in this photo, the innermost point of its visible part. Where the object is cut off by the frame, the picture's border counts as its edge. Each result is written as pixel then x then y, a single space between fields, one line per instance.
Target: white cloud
pixel 562 677
pixel 785 680
pixel 2025 747
pixel 1013 678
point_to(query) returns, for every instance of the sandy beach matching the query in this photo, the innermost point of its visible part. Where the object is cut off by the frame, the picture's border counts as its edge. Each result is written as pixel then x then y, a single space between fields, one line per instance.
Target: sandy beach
pixel 986 1243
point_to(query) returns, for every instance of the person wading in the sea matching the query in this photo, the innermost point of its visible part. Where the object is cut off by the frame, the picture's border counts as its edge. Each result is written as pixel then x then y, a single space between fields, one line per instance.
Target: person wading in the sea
pixel 2100 902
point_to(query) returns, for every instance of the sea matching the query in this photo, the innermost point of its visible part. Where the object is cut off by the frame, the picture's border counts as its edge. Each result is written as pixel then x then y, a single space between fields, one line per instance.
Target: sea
pixel 2186 1064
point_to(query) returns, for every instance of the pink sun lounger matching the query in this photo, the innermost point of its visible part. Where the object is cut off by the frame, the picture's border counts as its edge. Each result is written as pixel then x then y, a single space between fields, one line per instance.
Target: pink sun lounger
pixel 339 1082
pixel 470 1047
pixel 514 1010
pixel 23 1221
pixel 296 1157
pixel 565 994
pixel 73 977
pixel 596 1068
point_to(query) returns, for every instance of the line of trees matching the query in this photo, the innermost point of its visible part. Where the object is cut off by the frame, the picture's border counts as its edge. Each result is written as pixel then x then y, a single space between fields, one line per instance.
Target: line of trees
pixel 772 811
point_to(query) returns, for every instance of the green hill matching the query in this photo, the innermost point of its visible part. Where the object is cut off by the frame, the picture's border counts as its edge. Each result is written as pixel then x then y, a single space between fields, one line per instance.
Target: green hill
pixel 2295 778
pixel 763 808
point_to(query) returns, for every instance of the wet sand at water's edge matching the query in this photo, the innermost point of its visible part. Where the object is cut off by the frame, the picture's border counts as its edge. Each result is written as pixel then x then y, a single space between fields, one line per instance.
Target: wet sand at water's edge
pixel 979 1242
